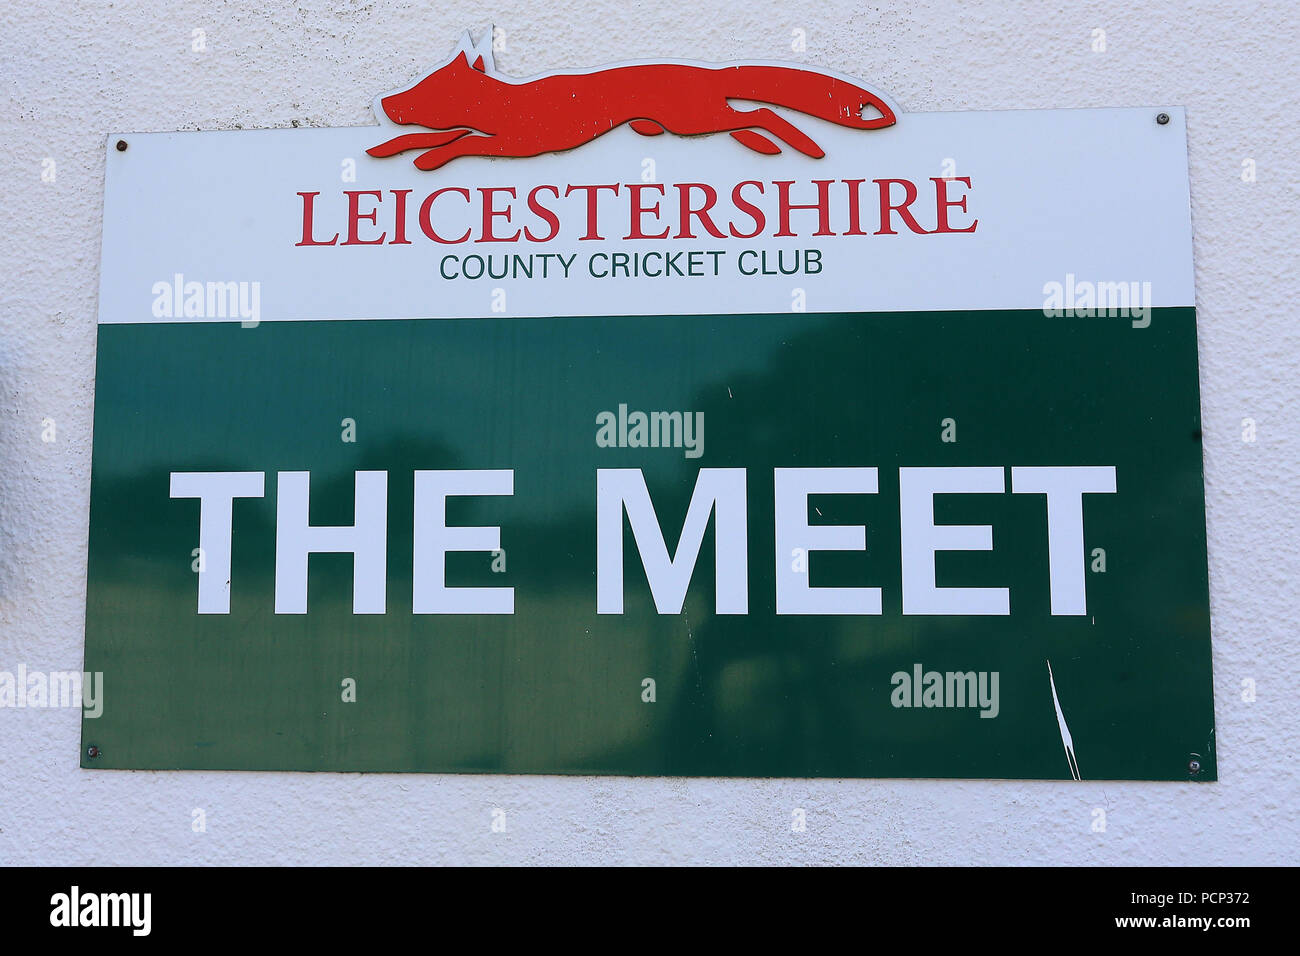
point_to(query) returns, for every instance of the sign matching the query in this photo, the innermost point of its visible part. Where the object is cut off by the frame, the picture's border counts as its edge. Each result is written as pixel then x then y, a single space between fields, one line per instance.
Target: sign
pixel 657 419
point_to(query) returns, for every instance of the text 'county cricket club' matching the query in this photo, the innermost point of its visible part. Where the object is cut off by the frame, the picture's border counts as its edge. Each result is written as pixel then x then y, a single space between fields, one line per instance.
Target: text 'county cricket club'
pixel 660 418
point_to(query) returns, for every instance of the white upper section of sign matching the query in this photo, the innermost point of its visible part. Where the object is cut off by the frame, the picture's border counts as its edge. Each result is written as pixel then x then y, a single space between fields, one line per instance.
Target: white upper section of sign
pixel 1058 196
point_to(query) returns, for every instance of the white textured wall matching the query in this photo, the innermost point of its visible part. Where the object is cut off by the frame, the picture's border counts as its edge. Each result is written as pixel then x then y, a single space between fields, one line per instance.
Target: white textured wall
pixel 74 71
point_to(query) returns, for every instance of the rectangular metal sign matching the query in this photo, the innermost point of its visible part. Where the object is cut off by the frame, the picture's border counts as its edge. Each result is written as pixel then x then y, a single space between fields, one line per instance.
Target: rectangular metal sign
pixel 829 448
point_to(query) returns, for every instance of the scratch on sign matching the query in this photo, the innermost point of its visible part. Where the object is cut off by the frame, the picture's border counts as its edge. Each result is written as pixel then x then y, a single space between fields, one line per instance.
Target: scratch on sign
pixel 1066 739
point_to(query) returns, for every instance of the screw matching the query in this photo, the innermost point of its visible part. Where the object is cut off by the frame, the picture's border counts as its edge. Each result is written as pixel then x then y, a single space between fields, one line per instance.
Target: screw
pixel 121 146
pixel 92 751
pixel 1193 766
pixel 1161 118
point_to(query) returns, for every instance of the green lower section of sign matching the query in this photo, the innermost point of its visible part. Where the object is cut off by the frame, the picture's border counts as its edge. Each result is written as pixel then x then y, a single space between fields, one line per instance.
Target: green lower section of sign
pixel 558 688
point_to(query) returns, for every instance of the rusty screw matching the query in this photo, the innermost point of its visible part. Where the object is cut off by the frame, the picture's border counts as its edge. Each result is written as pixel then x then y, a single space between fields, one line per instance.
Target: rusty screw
pixel 92 751
pixel 121 146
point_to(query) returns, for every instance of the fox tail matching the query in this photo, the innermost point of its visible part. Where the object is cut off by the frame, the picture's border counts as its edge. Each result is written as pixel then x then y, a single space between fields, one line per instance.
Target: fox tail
pixel 825 97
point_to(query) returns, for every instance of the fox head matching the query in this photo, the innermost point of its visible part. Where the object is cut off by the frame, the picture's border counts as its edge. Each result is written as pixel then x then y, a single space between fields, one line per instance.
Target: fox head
pixel 447 98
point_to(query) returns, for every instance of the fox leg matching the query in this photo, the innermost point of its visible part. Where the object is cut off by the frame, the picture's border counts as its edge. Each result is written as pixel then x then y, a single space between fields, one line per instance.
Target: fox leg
pixel 738 123
pixel 401 144
pixel 781 128
pixel 485 144
pixel 755 141
pixel 465 146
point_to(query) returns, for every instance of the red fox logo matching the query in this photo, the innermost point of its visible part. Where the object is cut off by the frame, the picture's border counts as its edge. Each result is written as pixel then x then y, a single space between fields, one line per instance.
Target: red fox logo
pixel 467 109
